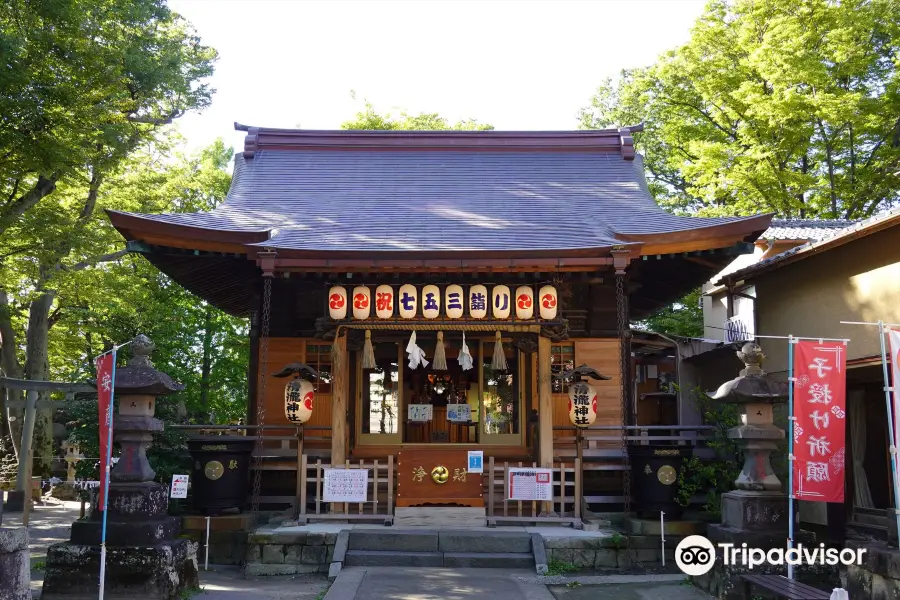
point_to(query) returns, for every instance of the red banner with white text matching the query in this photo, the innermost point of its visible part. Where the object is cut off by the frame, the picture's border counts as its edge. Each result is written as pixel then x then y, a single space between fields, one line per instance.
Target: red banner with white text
pixel 820 408
pixel 105 367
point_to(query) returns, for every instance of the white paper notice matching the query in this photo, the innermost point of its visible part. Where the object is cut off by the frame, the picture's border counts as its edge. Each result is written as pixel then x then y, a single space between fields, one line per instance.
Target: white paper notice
pixel 179 486
pixel 530 484
pixel 419 412
pixel 346 485
pixel 459 412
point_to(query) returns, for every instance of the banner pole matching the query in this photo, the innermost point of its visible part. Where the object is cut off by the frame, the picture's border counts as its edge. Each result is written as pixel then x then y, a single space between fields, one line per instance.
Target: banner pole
pixel 105 484
pixel 890 419
pixel 790 541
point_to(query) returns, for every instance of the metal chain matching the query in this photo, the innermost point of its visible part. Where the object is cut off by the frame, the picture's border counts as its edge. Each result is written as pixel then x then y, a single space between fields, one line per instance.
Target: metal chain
pixel 260 401
pixel 624 363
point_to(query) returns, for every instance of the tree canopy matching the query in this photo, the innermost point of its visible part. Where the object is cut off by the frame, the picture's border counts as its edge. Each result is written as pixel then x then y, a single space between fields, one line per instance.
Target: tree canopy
pixel 369 118
pixel 788 107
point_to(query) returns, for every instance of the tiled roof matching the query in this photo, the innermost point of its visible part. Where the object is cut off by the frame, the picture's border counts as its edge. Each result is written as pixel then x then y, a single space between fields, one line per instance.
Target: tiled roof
pixel 489 191
pixel 804 229
pixel 839 237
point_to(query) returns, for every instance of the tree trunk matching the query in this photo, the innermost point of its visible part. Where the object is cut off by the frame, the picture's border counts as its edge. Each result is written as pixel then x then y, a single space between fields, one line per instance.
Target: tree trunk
pixel 9 365
pixel 37 368
pixel 207 358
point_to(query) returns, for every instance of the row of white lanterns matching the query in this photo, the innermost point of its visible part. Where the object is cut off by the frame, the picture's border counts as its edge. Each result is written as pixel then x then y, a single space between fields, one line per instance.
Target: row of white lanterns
pixel 500 303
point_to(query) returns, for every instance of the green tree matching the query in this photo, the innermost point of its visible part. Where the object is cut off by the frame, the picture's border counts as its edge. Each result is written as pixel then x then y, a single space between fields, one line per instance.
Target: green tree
pixel 682 319
pixel 788 107
pixel 85 84
pixel 368 118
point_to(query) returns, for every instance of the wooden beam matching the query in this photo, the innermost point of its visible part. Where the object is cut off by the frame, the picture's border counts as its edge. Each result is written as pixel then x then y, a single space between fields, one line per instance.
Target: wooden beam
pixel 545 410
pixel 340 391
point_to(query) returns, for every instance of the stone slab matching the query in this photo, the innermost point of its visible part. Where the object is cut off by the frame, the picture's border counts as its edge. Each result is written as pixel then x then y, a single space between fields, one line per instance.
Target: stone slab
pixel 395 541
pixel 652 527
pixel 539 553
pixel 755 511
pixel 159 572
pixel 13 539
pixel 15 564
pixel 369 558
pixel 495 560
pixel 270 570
pixel 476 541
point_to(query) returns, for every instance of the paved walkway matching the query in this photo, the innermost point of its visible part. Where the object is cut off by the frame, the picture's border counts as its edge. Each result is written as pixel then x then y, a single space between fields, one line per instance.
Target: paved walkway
pixel 413 583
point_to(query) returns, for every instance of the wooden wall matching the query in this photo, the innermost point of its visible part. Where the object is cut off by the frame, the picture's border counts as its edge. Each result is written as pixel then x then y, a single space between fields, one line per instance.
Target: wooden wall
pixel 282 351
pixel 603 355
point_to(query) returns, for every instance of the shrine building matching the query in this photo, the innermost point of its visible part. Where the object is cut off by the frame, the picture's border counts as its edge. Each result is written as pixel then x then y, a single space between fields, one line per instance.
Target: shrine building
pixel 533 251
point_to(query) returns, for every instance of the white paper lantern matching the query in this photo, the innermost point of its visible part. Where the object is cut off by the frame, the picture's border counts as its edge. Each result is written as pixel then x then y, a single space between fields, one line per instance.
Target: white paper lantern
pixel 298 401
pixel 431 302
pixel 384 302
pixel 478 301
pixel 548 298
pixel 582 404
pixel 362 302
pixel 501 303
pixel 408 301
pixel 524 302
pixel 337 303
pixel 453 301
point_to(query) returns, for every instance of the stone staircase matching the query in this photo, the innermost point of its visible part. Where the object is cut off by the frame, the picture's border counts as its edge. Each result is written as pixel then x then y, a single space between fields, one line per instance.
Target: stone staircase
pixel 870 523
pixel 424 548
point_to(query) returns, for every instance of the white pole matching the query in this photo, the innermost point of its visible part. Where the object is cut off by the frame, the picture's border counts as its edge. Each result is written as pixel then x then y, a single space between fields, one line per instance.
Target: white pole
pixel 662 534
pixel 206 561
pixel 790 540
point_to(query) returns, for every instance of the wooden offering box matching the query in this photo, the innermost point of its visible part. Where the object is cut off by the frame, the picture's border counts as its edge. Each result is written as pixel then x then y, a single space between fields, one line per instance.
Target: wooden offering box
pixel 436 476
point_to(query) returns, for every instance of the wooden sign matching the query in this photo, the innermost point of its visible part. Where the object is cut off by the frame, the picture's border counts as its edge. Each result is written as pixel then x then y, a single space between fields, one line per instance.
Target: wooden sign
pixel 437 476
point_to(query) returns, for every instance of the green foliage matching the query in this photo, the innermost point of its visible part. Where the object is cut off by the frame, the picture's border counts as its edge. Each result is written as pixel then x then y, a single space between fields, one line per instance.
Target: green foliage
pixel 717 476
pixel 84 84
pixel 683 318
pixel 789 107
pixel 368 118
pixel 559 567
pixel 618 540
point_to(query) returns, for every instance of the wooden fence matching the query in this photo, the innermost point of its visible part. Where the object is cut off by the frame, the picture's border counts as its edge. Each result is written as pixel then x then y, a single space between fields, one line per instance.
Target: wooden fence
pixel 536 512
pixel 379 486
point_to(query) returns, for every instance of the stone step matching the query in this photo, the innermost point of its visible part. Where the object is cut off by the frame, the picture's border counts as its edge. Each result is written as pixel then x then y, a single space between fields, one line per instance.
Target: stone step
pixel 489 560
pixel 880 512
pixel 484 542
pixel 393 540
pixel 496 560
pixel 376 558
pixel 880 520
pixel 875 532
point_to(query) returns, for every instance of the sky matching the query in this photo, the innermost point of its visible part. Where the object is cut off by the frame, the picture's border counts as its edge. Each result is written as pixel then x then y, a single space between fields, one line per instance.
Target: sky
pixel 516 64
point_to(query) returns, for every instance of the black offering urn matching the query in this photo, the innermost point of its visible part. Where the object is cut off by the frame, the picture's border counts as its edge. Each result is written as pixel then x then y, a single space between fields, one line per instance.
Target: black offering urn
pixel 654 478
pixel 221 471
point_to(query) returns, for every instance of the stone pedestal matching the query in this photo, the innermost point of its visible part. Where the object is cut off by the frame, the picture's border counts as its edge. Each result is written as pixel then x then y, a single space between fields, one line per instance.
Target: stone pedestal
pixel 15 564
pixel 145 559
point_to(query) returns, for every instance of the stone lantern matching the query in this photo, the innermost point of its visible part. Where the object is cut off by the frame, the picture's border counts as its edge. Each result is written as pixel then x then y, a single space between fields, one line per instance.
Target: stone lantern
pixel 758 502
pixel 756 513
pixel 145 557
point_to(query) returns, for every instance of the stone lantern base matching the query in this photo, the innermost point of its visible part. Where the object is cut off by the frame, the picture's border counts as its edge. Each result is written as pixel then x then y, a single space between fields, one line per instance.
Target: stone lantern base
pixel 159 572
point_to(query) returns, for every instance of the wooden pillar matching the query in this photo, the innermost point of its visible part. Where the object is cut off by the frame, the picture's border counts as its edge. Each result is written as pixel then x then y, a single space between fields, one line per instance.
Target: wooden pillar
pixel 340 392
pixel 545 404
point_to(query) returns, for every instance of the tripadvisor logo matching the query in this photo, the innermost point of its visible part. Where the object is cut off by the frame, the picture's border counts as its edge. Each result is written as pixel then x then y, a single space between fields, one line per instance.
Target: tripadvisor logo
pixel 696 555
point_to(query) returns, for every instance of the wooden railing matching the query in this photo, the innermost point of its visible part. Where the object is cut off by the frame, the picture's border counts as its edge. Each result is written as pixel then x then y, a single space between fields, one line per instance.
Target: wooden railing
pixel 380 491
pixel 553 511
